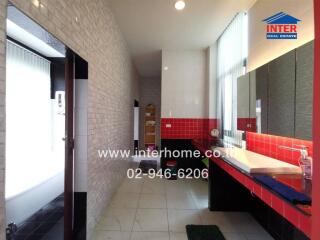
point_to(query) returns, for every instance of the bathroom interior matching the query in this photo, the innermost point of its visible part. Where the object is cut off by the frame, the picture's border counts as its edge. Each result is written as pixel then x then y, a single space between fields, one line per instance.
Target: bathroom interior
pixel 238 80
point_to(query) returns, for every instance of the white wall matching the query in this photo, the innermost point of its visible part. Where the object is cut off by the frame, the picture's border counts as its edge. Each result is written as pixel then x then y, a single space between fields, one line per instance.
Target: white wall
pixel 262 50
pixel 184 84
pixel 212 81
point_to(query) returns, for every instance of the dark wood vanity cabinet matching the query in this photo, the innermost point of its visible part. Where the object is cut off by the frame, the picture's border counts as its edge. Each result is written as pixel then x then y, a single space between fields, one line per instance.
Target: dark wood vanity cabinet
pixel 281 109
pixel 304 91
pixel 226 193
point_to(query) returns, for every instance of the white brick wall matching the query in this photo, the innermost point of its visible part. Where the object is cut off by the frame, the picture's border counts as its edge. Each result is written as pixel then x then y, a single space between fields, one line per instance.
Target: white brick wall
pixel 2 117
pixel 113 85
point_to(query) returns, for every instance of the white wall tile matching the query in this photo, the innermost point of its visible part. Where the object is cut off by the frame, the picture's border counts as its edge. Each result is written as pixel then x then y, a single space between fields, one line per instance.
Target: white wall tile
pixel 80 176
pixel 81 93
pixel 3 4
pixel 184 84
pixel 81 122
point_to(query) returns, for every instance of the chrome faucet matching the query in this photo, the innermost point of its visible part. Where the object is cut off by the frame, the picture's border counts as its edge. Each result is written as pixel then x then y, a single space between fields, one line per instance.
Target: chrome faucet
pixel 303 150
pixel 305 160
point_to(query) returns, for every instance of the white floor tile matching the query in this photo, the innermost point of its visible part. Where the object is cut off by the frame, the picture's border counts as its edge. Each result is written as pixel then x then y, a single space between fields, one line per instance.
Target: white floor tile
pixel 235 236
pixel 125 200
pixel 201 201
pixel 178 236
pixel 117 219
pixel 112 235
pixel 177 187
pixel 180 201
pixel 150 236
pixel 152 201
pixel 159 209
pixel 261 236
pixel 154 186
pixel 151 220
pixel 199 187
pixel 221 219
pixel 178 219
pixel 131 186
pixel 245 223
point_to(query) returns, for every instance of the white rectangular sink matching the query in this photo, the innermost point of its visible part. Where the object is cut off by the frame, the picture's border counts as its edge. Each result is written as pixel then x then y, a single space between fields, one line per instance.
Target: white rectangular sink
pixel 252 162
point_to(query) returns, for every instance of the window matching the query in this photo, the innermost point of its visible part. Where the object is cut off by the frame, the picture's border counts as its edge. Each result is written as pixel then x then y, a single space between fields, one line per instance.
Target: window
pixel 232 55
pixel 30 156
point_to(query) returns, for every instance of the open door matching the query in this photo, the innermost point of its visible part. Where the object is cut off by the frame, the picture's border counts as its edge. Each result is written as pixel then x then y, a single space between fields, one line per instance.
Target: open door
pixel 69 144
pixel 47 174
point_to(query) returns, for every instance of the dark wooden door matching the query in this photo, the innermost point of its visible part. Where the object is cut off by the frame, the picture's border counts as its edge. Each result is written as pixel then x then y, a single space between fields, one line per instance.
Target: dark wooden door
pixel 69 144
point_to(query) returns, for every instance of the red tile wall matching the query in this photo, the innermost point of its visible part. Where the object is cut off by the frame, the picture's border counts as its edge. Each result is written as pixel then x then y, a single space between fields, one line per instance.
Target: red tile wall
pixel 187 128
pixel 269 145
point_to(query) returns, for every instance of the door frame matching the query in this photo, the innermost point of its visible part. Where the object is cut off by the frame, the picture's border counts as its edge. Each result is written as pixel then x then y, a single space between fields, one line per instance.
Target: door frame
pixel 136 126
pixel 69 144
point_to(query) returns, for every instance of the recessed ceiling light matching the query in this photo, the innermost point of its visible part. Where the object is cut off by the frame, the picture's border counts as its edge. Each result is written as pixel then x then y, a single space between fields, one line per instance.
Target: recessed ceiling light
pixel 180 5
pixel 166 68
pixel 36 3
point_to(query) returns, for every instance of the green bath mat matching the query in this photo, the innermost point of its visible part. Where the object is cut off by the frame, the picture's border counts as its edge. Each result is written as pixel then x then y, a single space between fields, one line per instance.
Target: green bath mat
pixel 206 162
pixel 204 232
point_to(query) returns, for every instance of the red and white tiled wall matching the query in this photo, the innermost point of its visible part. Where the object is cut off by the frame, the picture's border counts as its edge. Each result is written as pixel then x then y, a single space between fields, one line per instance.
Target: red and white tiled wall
pixel 269 145
pixel 187 128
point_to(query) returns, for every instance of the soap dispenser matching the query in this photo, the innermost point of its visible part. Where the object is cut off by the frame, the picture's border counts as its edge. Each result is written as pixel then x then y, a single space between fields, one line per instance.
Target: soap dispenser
pixel 305 162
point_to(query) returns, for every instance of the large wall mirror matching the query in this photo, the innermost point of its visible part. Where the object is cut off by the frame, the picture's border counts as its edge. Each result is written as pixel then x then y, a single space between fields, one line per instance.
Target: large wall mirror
pixel 277 97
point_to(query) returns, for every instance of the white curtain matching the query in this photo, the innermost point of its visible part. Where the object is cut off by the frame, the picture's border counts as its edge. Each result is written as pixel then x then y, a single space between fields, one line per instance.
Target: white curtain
pixel 28 121
pixel 232 55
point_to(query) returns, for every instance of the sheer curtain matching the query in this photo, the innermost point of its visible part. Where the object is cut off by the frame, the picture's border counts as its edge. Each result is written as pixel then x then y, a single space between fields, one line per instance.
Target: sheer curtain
pixel 232 55
pixel 28 121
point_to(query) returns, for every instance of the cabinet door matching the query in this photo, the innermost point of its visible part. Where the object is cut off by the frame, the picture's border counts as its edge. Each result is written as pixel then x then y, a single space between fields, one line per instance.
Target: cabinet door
pixel 262 98
pixel 282 95
pixel 304 91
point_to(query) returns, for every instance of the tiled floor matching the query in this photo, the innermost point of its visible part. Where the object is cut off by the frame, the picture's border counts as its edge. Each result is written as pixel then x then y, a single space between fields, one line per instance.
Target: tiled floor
pixel 56 233
pixel 158 209
pixel 44 224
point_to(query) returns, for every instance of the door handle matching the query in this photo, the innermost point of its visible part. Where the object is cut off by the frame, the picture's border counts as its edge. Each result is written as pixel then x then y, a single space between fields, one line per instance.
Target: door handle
pixel 70 142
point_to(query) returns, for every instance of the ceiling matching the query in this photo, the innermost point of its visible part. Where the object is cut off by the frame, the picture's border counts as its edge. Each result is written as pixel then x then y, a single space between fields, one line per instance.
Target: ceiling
pixel 152 25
